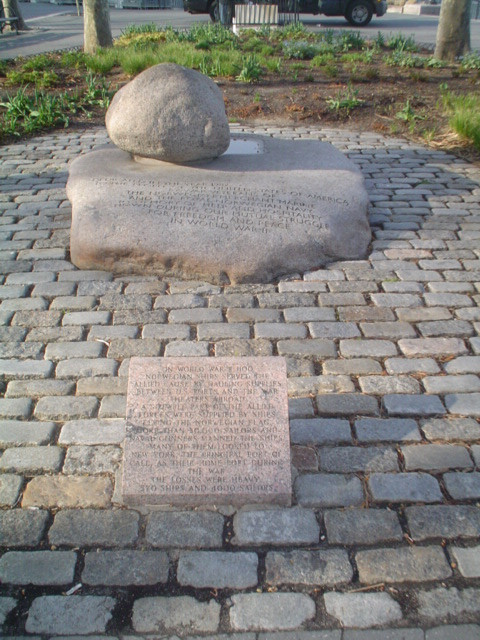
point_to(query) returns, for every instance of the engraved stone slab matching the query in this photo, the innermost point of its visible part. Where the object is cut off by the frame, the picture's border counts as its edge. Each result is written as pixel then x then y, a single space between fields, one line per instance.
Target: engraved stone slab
pixel 247 216
pixel 207 431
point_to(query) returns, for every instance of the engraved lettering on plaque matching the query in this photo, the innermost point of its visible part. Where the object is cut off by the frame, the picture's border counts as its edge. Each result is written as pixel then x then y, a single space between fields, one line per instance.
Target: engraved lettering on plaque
pixel 207 430
pixel 204 204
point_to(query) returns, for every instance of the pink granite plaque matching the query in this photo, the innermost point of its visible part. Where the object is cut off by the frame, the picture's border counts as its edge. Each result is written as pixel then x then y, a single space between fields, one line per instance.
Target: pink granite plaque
pixel 207 431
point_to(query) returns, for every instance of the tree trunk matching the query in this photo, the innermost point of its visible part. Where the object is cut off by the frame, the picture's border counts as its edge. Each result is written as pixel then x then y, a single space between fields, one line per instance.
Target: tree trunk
pixel 96 25
pixel 12 10
pixel 453 33
pixel 225 9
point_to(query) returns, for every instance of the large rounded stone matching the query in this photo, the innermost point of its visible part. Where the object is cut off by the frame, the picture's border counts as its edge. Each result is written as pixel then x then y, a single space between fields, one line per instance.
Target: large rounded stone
pixel 169 113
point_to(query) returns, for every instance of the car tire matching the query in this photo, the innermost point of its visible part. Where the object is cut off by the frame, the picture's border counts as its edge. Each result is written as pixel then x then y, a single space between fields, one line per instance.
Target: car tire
pixel 213 11
pixel 359 13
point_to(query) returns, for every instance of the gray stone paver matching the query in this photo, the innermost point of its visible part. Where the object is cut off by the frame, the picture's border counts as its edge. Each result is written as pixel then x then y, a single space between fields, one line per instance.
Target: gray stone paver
pixel 362 610
pixel 125 567
pixel 180 613
pixel 383 365
pixel 404 487
pixel 37 567
pixel 67 614
pixel 10 485
pixel 322 568
pixel 217 569
pixel 270 610
pixel 413 564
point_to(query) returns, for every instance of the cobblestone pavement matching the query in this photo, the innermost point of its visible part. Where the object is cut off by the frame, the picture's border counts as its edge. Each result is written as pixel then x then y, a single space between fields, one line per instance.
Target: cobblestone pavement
pixel 383 359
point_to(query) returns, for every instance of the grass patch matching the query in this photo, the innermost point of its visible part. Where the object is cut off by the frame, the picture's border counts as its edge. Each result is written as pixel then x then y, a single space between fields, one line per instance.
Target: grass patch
pixel 22 113
pixel 39 79
pixel 103 61
pixel 42 62
pixel 55 89
pixel 73 60
pixel 464 113
pixel 27 114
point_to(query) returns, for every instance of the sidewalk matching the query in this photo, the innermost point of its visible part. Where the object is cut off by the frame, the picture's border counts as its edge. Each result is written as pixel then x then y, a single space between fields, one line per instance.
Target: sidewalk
pixel 383 360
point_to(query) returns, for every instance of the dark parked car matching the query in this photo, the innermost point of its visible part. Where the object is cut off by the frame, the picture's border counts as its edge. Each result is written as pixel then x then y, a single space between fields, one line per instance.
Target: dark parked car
pixel 357 12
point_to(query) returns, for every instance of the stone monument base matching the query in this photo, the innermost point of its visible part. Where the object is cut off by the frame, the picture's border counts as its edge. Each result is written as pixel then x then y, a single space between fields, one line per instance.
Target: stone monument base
pixel 266 208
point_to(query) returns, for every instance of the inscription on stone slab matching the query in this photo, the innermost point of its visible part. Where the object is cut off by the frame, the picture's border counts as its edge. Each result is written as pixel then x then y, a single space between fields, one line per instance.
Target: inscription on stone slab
pixel 207 431
pixel 243 217
pixel 234 209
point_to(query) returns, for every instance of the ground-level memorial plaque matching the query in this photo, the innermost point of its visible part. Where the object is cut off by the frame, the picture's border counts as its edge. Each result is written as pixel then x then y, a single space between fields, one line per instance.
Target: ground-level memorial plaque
pixel 207 431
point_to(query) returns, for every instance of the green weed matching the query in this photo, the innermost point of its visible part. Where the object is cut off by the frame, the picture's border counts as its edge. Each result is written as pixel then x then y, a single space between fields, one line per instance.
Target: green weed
pixel 221 64
pixel 345 101
pixel 214 34
pixel 299 49
pixel 274 65
pixel 253 45
pixel 418 76
pixel 25 114
pixel 350 40
pixel 407 114
pixel 403 59
pixel 328 36
pixel 103 60
pixel 292 31
pixel 267 50
pixel 434 63
pixel 364 57
pixel 331 70
pixel 134 62
pixel 371 73
pixel 98 92
pixel 140 29
pixel 75 59
pixel 471 61
pixel 399 42
pixel 41 62
pixel 379 42
pixel 251 70
pixel 322 59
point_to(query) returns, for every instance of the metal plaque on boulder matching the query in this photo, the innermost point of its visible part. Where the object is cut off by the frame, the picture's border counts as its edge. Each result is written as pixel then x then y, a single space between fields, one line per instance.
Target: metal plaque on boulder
pixel 207 431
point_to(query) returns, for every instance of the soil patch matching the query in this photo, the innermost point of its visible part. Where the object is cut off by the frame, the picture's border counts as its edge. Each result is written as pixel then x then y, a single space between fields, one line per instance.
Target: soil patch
pixel 390 100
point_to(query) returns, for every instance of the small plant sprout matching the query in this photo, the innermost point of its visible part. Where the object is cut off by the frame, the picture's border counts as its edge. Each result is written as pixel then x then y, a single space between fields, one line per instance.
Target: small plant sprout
pixel 345 101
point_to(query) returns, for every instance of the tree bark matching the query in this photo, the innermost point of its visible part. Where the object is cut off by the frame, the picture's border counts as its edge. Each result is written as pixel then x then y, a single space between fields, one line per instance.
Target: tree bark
pixel 453 33
pixel 12 10
pixel 96 25
pixel 225 9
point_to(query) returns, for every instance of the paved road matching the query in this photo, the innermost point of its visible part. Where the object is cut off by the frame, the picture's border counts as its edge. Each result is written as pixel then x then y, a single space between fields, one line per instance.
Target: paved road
pixel 59 27
pixel 383 365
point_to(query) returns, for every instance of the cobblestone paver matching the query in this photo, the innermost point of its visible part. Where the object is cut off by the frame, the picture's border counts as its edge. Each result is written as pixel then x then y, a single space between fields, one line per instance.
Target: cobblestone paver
pixel 383 355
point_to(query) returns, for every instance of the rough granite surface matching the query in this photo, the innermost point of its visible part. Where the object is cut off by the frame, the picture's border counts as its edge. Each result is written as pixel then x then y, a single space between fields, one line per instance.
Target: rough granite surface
pixel 169 113
pixel 247 216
